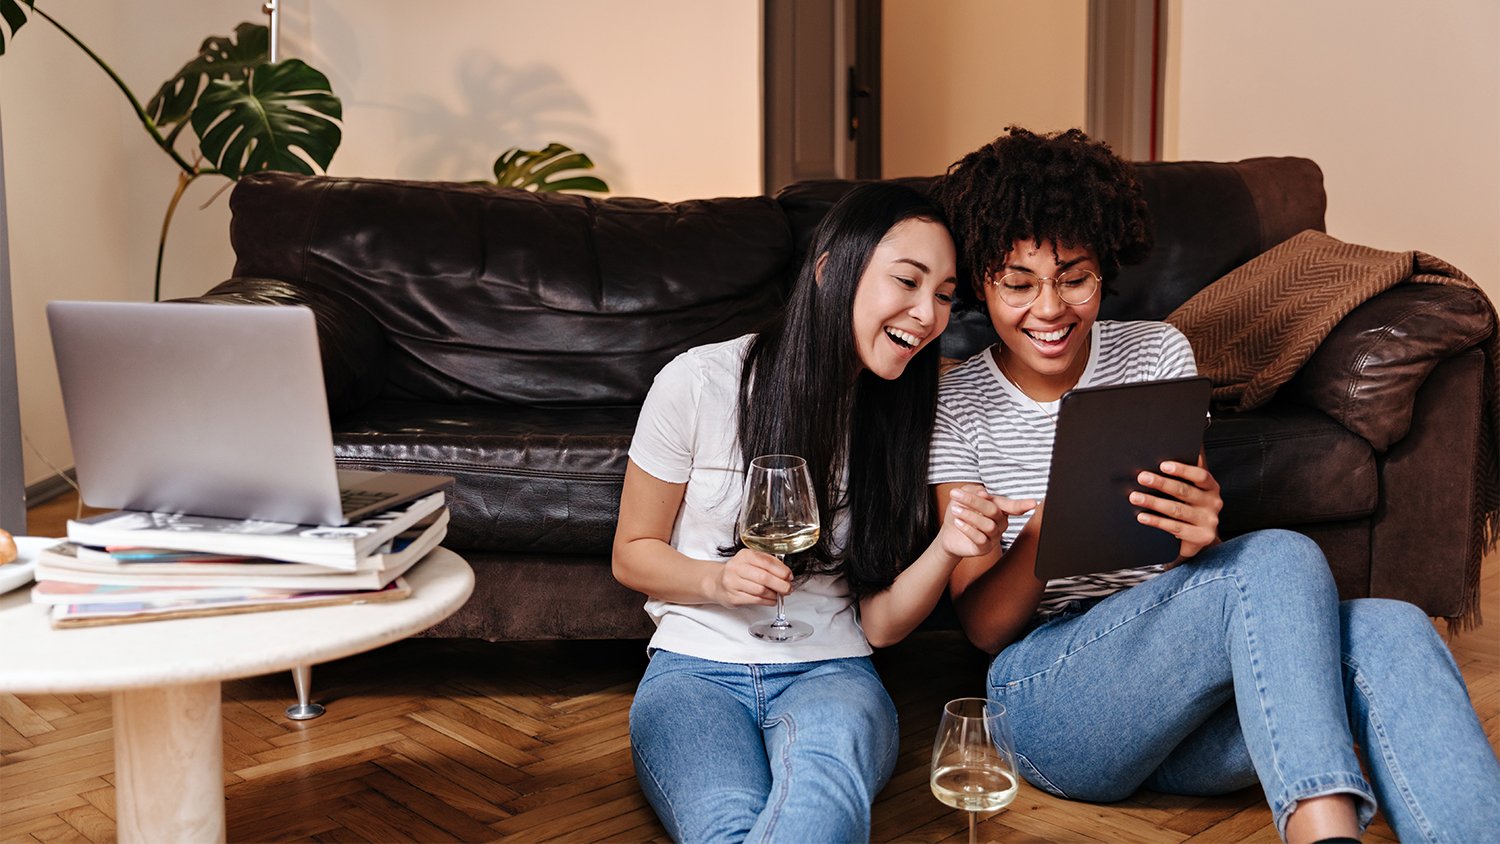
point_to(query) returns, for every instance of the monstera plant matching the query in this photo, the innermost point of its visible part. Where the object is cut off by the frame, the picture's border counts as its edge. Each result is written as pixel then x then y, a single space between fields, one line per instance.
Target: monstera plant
pixel 549 169
pixel 246 113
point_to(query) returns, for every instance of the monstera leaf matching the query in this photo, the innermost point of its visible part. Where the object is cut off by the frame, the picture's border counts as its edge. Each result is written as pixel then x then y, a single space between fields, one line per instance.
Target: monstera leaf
pixel 248 115
pixel 535 169
pixel 15 18
pixel 257 123
pixel 230 58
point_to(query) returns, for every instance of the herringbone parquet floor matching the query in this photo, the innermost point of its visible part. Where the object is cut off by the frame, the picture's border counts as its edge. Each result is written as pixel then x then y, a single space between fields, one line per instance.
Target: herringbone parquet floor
pixel 431 740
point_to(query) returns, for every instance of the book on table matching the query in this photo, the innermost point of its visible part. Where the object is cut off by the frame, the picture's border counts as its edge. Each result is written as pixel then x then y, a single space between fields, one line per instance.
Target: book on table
pixel 133 566
pixel 55 592
pixel 323 545
pixel 91 614
pixel 144 560
pixel 147 569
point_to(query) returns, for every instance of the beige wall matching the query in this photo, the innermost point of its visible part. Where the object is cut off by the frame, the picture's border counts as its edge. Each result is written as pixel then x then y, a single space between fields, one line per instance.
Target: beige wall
pixel 1398 102
pixel 68 174
pixel 956 73
pixel 664 94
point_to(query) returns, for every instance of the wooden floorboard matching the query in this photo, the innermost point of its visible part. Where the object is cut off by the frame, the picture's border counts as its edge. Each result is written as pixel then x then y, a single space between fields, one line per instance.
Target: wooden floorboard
pixel 443 740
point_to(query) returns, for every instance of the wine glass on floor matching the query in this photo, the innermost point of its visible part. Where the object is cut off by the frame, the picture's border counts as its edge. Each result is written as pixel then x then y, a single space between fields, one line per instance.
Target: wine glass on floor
pixel 973 759
pixel 779 516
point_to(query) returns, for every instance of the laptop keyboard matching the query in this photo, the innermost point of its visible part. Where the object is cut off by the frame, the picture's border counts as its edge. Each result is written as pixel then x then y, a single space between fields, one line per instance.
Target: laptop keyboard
pixel 353 499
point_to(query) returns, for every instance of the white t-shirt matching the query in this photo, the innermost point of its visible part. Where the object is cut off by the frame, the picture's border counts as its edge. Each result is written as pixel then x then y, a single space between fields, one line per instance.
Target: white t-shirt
pixel 989 432
pixel 687 434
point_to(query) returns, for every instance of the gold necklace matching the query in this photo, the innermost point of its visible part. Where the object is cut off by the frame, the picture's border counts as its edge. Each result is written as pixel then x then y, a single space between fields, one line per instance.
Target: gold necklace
pixel 1000 362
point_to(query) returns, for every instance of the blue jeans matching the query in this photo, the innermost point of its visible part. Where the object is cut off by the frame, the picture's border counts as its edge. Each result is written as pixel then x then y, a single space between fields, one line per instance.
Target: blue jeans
pixel 767 752
pixel 1242 667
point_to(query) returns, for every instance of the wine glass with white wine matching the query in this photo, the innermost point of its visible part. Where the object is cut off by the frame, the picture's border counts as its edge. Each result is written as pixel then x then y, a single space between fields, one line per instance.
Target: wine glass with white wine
pixel 973 759
pixel 779 516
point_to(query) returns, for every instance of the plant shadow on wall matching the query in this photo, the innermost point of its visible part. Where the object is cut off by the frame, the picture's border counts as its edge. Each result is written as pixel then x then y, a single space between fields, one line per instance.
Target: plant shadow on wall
pixel 246 114
pixel 533 101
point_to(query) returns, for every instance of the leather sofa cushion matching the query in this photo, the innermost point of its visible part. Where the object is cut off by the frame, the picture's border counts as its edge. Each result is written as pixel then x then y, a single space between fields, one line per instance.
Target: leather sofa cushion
pixel 489 294
pixel 1367 372
pixel 1284 465
pixel 548 480
pixel 528 479
pixel 551 596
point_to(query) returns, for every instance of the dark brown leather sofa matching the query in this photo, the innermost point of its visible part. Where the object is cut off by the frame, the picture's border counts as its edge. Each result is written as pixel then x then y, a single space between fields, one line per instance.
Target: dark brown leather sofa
pixel 507 339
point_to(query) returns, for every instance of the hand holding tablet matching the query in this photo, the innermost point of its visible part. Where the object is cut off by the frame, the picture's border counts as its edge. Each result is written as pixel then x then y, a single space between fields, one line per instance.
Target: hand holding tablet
pixel 1182 500
pixel 1108 440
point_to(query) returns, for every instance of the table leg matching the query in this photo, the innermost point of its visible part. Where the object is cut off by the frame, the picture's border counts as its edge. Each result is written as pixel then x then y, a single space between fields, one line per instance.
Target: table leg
pixel 304 709
pixel 169 764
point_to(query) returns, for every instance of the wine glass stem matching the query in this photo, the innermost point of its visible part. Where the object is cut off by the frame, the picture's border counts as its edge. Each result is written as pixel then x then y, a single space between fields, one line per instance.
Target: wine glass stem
pixel 780 603
pixel 971 815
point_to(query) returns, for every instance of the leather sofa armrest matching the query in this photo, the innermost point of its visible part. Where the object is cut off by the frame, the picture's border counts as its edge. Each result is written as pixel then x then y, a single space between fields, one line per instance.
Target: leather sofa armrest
pixel 1367 372
pixel 352 342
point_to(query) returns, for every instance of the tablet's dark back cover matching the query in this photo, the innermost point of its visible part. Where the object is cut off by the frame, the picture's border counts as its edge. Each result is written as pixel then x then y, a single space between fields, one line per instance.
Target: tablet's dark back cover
pixel 1105 437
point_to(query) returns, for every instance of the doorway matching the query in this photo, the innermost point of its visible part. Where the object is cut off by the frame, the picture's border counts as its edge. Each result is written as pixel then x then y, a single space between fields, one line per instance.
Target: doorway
pixel 822 96
pixel 888 88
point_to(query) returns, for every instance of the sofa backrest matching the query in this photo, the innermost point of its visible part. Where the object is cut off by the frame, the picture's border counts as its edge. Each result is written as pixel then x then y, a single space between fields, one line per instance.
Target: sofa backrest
pixel 499 295
pixel 1208 217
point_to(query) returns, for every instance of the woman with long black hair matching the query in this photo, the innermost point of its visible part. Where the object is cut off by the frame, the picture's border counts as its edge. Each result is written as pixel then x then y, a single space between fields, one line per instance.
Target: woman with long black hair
pixel 736 737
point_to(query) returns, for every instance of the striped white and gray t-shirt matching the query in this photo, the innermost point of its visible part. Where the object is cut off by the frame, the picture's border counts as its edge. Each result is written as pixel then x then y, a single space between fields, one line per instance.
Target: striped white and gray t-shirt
pixel 989 432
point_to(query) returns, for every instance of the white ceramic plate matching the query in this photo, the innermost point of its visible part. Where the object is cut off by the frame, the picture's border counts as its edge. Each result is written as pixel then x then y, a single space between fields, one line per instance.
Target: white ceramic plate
pixel 19 573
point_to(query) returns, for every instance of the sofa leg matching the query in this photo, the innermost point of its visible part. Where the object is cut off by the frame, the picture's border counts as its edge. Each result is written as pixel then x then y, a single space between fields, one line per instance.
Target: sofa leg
pixel 304 709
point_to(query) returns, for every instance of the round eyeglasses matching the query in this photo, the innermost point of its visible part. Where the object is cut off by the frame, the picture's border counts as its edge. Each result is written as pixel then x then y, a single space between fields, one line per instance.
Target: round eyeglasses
pixel 1074 287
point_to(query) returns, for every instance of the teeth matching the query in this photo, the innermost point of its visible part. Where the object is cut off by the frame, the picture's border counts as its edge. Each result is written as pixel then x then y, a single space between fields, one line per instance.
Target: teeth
pixel 1051 336
pixel 902 337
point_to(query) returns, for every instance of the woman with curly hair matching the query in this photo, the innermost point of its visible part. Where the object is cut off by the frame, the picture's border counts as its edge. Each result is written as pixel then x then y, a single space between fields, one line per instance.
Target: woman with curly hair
pixel 1234 665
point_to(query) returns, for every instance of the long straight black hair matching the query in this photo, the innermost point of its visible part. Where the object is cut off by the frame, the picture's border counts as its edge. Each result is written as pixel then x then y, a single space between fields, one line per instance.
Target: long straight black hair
pixel 805 391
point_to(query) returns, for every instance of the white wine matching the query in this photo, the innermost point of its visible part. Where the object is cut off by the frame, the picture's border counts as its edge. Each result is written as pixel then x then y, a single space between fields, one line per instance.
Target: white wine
pixel 974 788
pixel 780 538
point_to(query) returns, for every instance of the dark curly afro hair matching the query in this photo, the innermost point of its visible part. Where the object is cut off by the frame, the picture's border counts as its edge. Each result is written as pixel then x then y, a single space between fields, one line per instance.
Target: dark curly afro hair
pixel 1061 187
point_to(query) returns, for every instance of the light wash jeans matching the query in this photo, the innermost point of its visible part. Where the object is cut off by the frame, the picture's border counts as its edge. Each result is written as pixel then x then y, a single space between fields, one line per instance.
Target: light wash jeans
pixel 770 752
pixel 1241 666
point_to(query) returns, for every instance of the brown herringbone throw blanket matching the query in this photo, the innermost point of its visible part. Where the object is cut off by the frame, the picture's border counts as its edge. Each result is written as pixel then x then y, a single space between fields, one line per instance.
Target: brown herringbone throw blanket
pixel 1253 329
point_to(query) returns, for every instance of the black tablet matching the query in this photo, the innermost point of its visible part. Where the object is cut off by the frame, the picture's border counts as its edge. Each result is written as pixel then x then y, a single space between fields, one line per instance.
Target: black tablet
pixel 1105 437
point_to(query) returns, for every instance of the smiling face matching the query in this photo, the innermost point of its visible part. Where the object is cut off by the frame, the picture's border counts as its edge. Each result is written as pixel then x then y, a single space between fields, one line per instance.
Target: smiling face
pixel 904 296
pixel 1046 342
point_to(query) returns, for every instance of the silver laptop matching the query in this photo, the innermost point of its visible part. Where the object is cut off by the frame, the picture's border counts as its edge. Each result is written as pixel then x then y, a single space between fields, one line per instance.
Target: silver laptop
pixel 214 410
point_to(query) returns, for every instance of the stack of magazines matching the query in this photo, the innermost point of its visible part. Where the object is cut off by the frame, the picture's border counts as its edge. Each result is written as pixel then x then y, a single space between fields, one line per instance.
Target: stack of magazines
pixel 136 566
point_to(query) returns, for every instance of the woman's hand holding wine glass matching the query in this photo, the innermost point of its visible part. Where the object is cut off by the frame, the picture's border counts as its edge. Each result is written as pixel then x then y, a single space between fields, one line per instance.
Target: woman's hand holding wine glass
pixel 750 578
pixel 779 516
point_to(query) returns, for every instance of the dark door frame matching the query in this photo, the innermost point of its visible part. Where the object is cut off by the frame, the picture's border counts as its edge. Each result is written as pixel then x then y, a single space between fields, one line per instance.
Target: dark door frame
pixel 821 108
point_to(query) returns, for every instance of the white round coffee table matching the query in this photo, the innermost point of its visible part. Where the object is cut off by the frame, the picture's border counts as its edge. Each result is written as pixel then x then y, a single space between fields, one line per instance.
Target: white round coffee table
pixel 165 680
